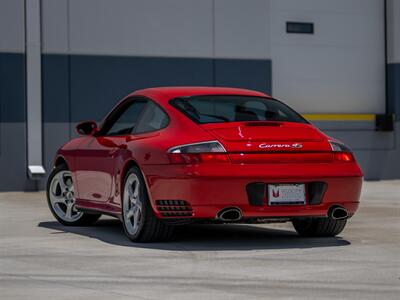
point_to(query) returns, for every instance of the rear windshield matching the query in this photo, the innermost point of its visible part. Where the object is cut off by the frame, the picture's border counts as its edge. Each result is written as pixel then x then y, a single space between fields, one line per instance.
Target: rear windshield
pixel 222 109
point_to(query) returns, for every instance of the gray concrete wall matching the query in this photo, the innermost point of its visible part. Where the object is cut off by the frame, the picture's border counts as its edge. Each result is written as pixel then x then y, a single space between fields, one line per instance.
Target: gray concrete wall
pixel 96 51
pixel 13 174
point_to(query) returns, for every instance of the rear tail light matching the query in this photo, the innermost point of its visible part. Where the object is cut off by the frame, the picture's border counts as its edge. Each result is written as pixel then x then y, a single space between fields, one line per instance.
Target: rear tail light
pixel 196 158
pixel 341 152
pixel 204 152
pixel 344 156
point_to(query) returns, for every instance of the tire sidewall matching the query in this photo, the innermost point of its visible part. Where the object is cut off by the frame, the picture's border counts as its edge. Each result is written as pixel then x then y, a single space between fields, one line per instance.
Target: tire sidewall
pixel 319 227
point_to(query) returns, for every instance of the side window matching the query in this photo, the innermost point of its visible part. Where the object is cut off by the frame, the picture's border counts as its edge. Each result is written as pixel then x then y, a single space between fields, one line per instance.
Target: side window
pixel 124 120
pixel 153 118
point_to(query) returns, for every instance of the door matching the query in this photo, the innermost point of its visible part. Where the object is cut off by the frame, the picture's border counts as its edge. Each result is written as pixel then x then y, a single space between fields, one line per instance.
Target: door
pixel 95 158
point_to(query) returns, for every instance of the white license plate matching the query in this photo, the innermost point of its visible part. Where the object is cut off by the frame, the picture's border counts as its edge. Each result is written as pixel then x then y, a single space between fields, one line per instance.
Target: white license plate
pixel 286 194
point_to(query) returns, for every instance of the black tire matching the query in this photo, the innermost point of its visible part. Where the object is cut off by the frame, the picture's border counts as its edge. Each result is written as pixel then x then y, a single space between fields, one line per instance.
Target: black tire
pixel 84 220
pixel 151 229
pixel 319 227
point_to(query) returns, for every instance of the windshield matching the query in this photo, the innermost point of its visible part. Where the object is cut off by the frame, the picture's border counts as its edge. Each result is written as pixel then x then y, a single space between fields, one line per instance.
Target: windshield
pixel 221 109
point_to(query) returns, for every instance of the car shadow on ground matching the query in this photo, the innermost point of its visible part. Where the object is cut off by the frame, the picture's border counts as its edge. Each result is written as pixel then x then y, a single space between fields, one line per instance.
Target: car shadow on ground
pixel 202 237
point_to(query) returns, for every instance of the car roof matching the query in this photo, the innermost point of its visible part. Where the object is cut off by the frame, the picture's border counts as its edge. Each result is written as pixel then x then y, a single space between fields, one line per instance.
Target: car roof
pixel 163 94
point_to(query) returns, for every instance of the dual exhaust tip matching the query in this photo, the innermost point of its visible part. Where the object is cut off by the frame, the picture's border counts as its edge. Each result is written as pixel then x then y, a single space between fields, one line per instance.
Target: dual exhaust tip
pixel 229 214
pixel 233 214
pixel 338 213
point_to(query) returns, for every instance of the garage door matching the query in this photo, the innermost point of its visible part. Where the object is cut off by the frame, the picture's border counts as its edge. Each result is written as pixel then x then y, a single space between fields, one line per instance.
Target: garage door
pixel 340 67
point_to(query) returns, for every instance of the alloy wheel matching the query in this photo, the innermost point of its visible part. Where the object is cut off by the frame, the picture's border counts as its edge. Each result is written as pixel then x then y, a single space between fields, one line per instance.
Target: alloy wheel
pixel 62 197
pixel 133 205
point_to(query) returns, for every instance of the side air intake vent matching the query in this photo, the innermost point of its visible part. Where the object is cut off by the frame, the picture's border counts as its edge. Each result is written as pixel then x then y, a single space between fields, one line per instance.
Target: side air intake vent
pixel 174 208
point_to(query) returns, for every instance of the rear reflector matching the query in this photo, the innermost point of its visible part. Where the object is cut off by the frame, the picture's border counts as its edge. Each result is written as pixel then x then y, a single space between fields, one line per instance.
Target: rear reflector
pixel 196 158
pixel 279 158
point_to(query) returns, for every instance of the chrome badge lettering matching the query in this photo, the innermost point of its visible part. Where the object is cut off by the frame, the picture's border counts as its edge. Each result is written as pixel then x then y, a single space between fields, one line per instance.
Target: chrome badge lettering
pixel 297 145
pixel 278 146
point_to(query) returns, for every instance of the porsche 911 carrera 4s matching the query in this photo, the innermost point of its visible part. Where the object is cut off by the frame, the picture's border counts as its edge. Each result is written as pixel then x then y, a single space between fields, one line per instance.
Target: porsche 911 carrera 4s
pixel 177 155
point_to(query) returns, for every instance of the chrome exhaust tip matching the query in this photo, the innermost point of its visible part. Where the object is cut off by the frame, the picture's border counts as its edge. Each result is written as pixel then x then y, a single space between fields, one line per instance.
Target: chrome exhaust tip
pixel 229 214
pixel 338 213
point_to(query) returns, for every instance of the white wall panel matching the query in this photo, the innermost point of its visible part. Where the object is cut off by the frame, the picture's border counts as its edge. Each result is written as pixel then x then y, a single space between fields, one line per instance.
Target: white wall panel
pixel 33 87
pixel 180 28
pixel 338 69
pixel 12 20
pixel 54 26
pixel 327 6
pixel 242 29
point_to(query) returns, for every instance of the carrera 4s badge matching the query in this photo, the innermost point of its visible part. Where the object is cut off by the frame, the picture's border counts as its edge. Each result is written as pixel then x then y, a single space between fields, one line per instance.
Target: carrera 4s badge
pixel 278 146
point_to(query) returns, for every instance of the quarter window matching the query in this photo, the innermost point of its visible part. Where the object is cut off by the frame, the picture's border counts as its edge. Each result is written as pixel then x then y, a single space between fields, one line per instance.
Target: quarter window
pixel 124 119
pixel 153 118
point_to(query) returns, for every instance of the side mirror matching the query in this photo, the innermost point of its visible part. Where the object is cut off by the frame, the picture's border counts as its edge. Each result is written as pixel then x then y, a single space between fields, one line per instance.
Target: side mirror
pixel 87 128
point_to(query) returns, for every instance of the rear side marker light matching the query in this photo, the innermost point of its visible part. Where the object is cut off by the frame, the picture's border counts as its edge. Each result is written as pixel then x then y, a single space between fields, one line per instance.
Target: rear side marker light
pixel 203 152
pixel 341 152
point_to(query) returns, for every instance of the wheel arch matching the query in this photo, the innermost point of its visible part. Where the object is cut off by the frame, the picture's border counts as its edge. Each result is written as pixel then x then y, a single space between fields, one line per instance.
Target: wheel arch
pixel 60 160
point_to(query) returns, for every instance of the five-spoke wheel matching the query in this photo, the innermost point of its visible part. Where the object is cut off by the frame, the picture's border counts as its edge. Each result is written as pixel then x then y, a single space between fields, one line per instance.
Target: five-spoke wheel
pixel 132 205
pixel 61 199
pixel 140 223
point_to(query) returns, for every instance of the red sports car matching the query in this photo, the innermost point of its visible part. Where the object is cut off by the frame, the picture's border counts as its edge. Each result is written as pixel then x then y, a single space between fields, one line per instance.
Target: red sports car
pixel 175 155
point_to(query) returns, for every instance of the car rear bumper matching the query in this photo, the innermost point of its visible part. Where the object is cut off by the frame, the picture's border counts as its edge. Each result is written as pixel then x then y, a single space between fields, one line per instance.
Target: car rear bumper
pixel 209 188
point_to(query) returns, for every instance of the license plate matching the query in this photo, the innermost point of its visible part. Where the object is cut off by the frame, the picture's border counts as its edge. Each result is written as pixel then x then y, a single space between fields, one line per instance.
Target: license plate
pixel 286 194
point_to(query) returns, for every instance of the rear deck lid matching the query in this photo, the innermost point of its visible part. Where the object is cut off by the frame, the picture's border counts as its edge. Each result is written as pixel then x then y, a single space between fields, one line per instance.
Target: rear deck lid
pixel 265 132
pixel 251 128
pixel 272 142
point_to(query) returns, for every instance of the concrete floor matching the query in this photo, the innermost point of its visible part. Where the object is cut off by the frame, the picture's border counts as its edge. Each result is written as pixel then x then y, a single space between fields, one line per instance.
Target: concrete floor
pixel 40 259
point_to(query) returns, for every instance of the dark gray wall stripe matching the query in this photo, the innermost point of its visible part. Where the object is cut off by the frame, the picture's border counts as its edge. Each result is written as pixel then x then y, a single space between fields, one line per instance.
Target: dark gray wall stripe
pixel 55 88
pixel 393 92
pixel 98 82
pixel 243 73
pixel 92 85
pixel 12 87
